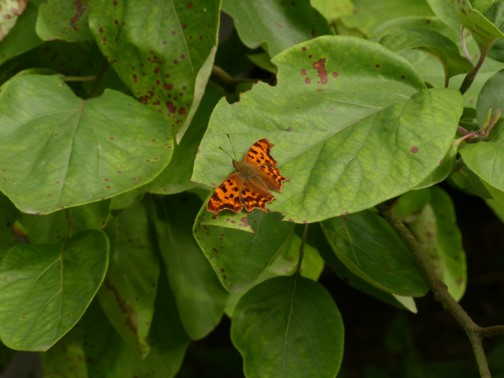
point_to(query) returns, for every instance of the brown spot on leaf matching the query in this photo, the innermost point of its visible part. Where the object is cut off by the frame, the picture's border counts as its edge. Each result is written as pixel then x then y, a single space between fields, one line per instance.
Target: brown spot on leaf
pixel 414 149
pixel 171 107
pixel 319 65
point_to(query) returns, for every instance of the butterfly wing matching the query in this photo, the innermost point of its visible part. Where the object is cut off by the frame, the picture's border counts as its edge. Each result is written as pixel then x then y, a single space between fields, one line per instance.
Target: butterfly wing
pixel 227 195
pixel 254 195
pixel 259 158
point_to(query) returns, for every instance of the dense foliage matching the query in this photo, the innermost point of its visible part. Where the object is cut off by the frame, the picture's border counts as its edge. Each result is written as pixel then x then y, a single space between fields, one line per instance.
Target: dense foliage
pixel 115 117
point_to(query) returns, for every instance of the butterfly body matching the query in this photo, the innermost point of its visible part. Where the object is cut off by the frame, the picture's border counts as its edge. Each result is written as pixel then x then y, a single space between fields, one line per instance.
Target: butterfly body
pixel 250 184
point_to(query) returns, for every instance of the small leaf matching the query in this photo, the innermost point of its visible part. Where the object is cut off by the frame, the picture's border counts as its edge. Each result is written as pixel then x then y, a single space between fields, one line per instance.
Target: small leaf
pixel 486 159
pixel 45 289
pixel 64 20
pixel 22 36
pixel 368 247
pixel 435 228
pixel 57 150
pixel 288 327
pixel 490 97
pixel 483 30
pixel 240 246
pixel 9 13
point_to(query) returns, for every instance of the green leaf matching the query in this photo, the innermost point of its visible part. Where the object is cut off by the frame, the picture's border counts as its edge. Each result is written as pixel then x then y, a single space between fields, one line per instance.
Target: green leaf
pixel 352 126
pixel 483 30
pixel 288 327
pixel 336 265
pixel 65 20
pixel 275 25
pixel 57 150
pixel 435 228
pixel 107 355
pixel 9 13
pixel 369 248
pixel 199 295
pixel 162 50
pixel 46 229
pixel 486 160
pixel 409 35
pixel 67 357
pixel 45 289
pixel 333 10
pixel 240 246
pixel 128 293
pixel 368 14
pixel 176 177
pixel 490 97
pixel 445 11
pixel 22 37
pixel 285 264
pixel 411 203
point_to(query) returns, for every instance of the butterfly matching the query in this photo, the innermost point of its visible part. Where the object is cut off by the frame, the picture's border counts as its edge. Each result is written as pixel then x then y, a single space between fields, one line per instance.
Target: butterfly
pixel 250 184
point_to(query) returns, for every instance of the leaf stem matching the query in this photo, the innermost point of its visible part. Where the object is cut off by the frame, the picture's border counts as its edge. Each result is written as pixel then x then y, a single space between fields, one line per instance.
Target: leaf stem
pixel 472 75
pixel 226 81
pixel 441 294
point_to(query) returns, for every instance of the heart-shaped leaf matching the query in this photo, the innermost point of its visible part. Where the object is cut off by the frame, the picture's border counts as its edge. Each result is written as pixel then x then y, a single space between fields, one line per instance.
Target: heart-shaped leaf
pixel 45 289
pixel 288 327
pixel 57 150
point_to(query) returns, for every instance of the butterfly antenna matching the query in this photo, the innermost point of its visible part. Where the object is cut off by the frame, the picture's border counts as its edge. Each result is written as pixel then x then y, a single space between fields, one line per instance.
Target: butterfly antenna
pixel 232 147
pixel 227 153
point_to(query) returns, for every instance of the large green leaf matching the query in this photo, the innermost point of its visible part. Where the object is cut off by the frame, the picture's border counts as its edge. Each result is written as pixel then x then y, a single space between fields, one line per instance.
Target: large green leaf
pixel 288 327
pixel 239 246
pixel 198 293
pixel 57 150
pixel 162 50
pixel 352 124
pixel 45 289
pixel 129 290
pixel 368 247
pixel 275 25
pixel 65 20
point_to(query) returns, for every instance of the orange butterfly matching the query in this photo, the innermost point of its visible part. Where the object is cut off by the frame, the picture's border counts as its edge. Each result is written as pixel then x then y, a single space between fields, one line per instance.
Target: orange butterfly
pixel 250 184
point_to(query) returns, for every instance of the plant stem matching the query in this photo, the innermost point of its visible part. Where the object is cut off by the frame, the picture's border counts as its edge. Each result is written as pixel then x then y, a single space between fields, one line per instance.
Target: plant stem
pixel 472 75
pixel 439 290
